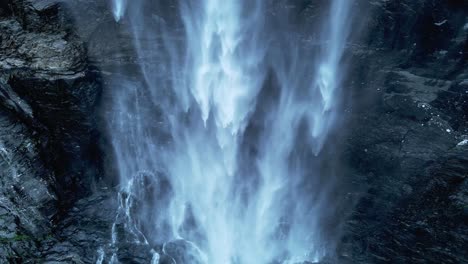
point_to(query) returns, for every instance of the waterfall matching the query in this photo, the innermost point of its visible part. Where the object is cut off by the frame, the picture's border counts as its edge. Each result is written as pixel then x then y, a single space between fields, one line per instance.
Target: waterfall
pixel 118 8
pixel 218 136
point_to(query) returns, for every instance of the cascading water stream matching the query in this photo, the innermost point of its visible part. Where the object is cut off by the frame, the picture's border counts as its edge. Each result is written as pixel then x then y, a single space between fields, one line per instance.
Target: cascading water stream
pixel 182 131
pixel 118 8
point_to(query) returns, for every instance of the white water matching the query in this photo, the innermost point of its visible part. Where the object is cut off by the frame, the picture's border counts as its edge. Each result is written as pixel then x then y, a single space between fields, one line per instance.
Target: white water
pixel 118 8
pixel 182 135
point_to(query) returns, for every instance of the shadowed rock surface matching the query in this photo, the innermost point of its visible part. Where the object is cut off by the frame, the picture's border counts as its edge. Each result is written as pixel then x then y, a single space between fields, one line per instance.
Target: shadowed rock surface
pixel 407 141
pixel 48 138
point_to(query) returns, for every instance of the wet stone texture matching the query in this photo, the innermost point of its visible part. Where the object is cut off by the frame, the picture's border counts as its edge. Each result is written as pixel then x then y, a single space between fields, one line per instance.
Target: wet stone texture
pixel 407 138
pixel 49 155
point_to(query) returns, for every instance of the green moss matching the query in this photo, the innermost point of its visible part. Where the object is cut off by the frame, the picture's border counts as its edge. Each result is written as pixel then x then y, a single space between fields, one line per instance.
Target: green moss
pixel 22 237
pixel 16 238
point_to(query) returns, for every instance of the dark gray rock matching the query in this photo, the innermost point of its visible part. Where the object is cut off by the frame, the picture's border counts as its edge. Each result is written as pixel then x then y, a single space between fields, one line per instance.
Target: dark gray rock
pixel 26 184
pixel 48 152
pixel 408 122
pixel 43 5
pixel 183 252
pixel 45 65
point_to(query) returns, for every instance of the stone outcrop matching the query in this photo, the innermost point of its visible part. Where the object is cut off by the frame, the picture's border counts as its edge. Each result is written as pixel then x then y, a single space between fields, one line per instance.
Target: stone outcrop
pixel 407 139
pixel 48 138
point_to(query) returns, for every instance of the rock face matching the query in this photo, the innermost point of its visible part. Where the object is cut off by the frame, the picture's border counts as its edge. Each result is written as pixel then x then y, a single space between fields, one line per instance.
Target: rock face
pixel 407 136
pixel 27 199
pixel 405 147
pixel 48 139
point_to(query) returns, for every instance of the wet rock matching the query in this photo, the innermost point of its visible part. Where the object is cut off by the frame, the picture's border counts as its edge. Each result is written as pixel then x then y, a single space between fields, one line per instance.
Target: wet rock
pixel 46 53
pixel 134 253
pixel 45 67
pixel 47 137
pixel 26 185
pixel 405 107
pixel 403 141
pixel 151 194
pixel 42 5
pixel 423 28
pixel 184 252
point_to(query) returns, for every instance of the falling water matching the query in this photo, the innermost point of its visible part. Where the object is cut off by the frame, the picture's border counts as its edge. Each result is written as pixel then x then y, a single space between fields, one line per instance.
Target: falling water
pixel 218 142
pixel 118 8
